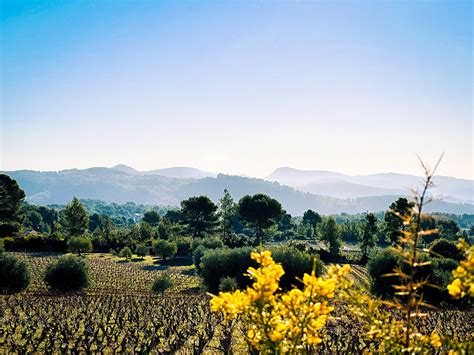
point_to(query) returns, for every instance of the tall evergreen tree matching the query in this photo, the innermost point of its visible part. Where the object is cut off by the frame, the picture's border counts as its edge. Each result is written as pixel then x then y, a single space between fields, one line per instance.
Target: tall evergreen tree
pixel 75 220
pixel 227 209
pixel 368 237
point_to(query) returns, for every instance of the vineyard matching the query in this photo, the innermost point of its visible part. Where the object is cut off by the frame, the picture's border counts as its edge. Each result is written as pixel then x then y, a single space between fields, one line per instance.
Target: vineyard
pixel 118 313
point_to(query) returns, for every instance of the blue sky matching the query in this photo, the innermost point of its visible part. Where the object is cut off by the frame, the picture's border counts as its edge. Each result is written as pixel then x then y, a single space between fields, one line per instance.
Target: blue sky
pixel 238 87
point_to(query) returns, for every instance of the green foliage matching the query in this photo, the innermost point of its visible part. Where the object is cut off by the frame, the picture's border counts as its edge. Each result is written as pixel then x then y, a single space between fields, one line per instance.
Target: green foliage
pixel 151 217
pixel 70 273
pixel 227 210
pixel 381 263
pixel 394 224
pixel 162 283
pixel 260 211
pixel 11 198
pixel 220 263
pixel 165 248
pixel 311 218
pixel 14 274
pixel 79 245
pixel 142 250
pixel 2 246
pixel 184 245
pixel 436 270
pixel 228 284
pixel 448 229
pixel 198 253
pixel 75 219
pixel 126 253
pixel 199 213
pixel 208 243
pixel 445 249
pixel 164 228
pixel 330 233
pixel 368 237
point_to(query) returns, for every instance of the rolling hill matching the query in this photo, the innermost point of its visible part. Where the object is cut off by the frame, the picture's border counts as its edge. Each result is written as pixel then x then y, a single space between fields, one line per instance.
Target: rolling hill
pixel 123 185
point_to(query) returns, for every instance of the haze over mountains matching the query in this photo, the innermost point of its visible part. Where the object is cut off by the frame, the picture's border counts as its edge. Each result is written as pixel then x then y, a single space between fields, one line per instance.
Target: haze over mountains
pixel 297 190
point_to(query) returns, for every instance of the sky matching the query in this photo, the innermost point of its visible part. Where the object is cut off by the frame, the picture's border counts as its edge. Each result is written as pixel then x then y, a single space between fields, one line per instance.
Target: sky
pixel 237 87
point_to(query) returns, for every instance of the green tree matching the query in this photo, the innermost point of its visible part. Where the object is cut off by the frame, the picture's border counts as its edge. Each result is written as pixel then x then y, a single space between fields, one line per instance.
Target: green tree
pixel 368 237
pixel 448 229
pixel 80 245
pixel 11 199
pixel 34 220
pixel 227 209
pixel 261 211
pixel 165 229
pixel 393 223
pixel 199 213
pixel 165 248
pixel 50 217
pixel 152 218
pixel 330 233
pixel 75 220
pixel 126 253
pixel 146 232
pixel 312 218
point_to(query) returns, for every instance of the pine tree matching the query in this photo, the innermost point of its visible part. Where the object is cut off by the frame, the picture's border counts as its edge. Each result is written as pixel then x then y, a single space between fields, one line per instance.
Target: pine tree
pixel 75 219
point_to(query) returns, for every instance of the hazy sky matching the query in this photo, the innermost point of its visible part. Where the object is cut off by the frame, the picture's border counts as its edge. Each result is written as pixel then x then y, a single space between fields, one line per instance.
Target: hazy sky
pixel 237 86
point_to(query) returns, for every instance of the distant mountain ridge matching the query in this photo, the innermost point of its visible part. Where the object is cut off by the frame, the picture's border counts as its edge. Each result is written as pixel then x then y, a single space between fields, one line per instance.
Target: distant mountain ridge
pixel 181 172
pixel 351 186
pixel 122 184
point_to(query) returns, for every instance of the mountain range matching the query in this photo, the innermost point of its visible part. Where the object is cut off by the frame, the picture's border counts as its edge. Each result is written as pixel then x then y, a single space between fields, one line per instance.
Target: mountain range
pixel 297 190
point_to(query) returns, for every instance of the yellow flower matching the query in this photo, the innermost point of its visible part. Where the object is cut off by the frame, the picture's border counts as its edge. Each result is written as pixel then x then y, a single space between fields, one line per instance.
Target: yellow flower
pixel 435 340
pixel 455 289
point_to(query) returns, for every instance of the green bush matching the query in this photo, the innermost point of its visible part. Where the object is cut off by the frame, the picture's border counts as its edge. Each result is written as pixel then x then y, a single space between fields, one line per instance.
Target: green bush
pixel 381 263
pixel 198 253
pixel 220 263
pixel 228 284
pixel 2 246
pixel 184 246
pixel 14 274
pixel 208 243
pixel 141 250
pixel 437 271
pixel 126 253
pixel 445 249
pixel 80 245
pixel 165 248
pixel 69 273
pixel 162 283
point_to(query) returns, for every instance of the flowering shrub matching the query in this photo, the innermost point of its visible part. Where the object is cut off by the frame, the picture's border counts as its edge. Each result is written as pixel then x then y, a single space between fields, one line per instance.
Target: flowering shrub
pixel 281 322
pixel 463 283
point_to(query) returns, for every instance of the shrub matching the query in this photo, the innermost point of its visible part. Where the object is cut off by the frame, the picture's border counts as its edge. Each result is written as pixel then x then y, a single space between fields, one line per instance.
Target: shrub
pixel 70 273
pixel 2 246
pixel 198 253
pixel 126 253
pixel 162 283
pixel 184 246
pixel 381 263
pixel 80 245
pixel 14 274
pixel 165 248
pixel 228 284
pixel 446 249
pixel 208 243
pixel 220 263
pixel 141 250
